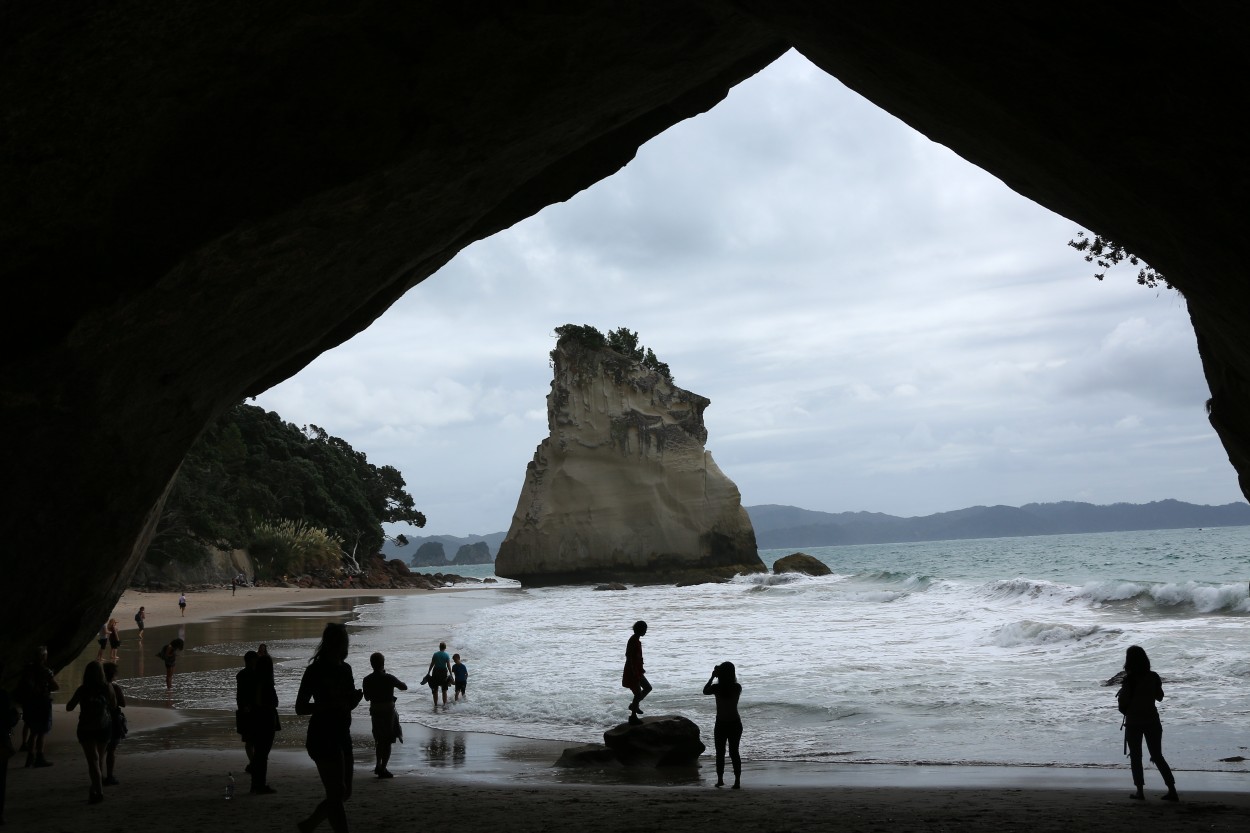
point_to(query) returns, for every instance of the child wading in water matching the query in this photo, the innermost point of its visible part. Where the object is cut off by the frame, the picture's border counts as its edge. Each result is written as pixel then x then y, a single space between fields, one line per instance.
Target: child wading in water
pixel 379 688
pixel 460 674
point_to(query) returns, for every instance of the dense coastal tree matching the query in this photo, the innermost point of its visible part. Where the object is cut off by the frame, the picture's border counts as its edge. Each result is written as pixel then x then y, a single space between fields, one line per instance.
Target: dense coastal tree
pixel 251 471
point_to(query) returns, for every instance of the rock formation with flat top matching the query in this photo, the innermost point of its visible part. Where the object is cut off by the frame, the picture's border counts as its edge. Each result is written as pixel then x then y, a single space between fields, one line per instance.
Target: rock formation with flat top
pixel 623 489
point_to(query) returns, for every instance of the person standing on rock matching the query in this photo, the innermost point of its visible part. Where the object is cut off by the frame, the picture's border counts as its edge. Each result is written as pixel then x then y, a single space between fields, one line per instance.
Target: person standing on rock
pixel 634 677
pixel 728 730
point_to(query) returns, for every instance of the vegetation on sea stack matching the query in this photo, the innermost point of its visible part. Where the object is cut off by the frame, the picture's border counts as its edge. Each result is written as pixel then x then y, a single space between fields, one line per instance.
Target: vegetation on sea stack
pixel 621 340
pixel 297 498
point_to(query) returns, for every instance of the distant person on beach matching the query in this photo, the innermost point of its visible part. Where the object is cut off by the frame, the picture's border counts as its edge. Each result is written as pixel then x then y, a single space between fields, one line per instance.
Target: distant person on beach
pixel 8 719
pixel 115 639
pixel 262 650
pixel 263 724
pixel 634 677
pixel 102 639
pixel 1137 696
pixel 439 673
pixel 95 723
pixel 169 654
pixel 379 688
pixel 244 698
pixel 182 603
pixel 460 674
pixel 34 693
pixel 140 620
pixel 118 730
pixel 328 692
pixel 728 729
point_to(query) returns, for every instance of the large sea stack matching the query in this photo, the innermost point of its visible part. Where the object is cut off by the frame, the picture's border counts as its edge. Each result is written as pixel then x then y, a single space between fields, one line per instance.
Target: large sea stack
pixel 623 489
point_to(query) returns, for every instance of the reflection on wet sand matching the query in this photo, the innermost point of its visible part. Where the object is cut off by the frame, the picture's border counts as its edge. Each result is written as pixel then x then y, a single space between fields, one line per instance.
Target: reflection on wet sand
pixel 445 749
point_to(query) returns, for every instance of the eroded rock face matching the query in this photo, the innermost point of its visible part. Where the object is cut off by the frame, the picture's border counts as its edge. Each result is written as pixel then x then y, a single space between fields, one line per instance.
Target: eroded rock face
pixel 623 489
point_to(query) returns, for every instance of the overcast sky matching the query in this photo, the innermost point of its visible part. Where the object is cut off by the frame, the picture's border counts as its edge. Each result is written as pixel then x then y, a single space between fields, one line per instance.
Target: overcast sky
pixel 879 325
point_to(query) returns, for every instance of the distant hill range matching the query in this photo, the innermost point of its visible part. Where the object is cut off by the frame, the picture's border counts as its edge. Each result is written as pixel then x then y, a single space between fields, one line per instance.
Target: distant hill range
pixel 779 527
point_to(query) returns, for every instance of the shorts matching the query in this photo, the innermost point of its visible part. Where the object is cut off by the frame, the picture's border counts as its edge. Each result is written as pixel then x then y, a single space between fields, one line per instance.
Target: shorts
pixel 438 679
pixel 115 642
pixel 460 687
pixel 103 642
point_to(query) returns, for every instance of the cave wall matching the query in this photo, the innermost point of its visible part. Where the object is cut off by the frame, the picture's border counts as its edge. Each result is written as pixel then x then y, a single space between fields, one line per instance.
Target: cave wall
pixel 198 199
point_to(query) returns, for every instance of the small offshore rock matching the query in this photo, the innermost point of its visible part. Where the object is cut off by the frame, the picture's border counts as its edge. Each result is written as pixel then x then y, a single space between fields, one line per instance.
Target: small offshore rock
pixel 801 562
pixel 612 586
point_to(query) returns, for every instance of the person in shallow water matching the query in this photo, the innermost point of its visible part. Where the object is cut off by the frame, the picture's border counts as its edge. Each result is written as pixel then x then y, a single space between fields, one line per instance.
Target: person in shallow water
pixel 1137 696
pixel 634 676
pixel 728 729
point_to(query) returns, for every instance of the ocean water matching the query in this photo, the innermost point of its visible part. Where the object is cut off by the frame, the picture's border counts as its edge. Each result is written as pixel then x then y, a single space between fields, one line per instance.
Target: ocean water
pixel 984 652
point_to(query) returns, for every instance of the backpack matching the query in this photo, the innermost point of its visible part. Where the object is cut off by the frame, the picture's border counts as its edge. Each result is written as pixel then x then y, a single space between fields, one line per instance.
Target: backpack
pixel 95 715
pixel 138 618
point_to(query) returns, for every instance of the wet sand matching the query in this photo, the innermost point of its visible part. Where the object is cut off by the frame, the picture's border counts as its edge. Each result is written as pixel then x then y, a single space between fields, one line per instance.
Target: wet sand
pixel 173 766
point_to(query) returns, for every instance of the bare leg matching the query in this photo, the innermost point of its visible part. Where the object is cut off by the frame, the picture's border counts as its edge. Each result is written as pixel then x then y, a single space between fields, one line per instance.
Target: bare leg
pixel 92 752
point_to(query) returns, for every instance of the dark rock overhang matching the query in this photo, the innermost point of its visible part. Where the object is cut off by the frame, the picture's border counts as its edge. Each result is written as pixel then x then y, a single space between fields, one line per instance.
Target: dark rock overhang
pixel 198 199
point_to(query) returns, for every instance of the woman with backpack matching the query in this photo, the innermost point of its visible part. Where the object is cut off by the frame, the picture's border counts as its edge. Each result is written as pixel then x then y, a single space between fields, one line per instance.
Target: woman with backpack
pixel 169 655
pixel 95 724
pixel 1137 696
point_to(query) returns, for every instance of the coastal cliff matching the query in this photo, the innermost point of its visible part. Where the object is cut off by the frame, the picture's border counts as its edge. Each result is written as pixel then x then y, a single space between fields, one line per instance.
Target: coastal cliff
pixel 622 489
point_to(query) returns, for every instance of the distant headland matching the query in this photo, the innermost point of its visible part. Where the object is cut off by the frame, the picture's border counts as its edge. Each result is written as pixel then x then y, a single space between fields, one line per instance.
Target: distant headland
pixel 779 527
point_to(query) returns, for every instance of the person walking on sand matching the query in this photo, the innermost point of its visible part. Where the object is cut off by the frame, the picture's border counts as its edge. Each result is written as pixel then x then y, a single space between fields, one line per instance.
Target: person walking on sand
pixel 117 728
pixel 439 672
pixel 169 654
pixel 182 603
pixel 728 729
pixel 102 640
pixel 328 692
pixel 115 639
pixel 263 723
pixel 634 677
pixel 140 620
pixel 35 696
pixel 1137 696
pixel 95 728
pixel 379 688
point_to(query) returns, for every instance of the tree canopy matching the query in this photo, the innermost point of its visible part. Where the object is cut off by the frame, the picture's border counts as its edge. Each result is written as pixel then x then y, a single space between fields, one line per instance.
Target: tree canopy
pixel 250 471
pixel 621 340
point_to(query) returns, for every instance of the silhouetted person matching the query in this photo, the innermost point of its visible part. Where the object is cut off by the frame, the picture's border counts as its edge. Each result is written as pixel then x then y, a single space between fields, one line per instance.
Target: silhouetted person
pixel 95 726
pixel 728 729
pixel 169 655
pixel 634 677
pixel 379 688
pixel 262 723
pixel 35 695
pixel 8 719
pixel 1138 694
pixel 118 729
pixel 244 700
pixel 328 692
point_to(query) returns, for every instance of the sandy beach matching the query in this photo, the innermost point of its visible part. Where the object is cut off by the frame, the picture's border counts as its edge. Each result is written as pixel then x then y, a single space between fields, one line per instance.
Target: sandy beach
pixel 173 769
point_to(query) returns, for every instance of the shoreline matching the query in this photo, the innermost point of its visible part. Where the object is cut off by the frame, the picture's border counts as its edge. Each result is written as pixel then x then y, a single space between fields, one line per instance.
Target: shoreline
pixel 182 756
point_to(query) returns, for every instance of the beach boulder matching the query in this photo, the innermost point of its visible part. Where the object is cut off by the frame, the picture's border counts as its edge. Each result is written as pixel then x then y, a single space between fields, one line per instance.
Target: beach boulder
pixel 591 755
pixel 664 740
pixel 801 562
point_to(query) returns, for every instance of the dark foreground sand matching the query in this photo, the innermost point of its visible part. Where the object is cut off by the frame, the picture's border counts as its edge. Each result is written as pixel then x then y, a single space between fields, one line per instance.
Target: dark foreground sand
pixel 173 766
